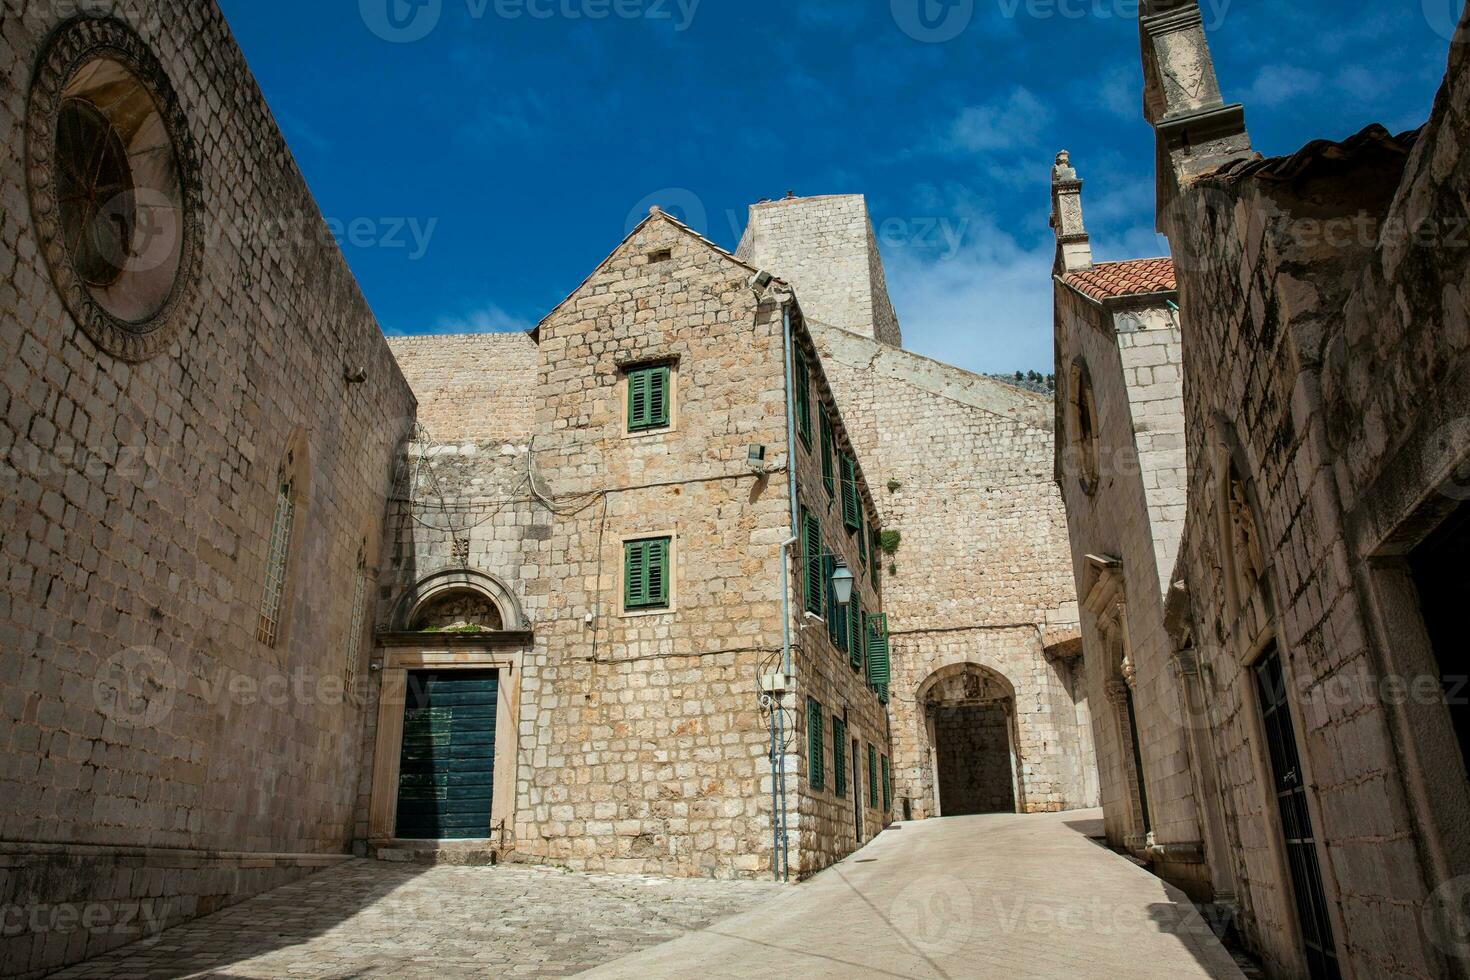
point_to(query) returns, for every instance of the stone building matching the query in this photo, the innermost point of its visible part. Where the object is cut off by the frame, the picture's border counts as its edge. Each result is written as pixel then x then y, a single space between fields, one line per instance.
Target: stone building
pixel 602 509
pixel 1121 469
pixel 198 422
pixel 1311 609
pixel 989 710
pixel 278 591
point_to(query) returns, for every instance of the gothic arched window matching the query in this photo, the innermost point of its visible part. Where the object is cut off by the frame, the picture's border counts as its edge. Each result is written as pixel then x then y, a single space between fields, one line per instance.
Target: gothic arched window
pixel 1082 427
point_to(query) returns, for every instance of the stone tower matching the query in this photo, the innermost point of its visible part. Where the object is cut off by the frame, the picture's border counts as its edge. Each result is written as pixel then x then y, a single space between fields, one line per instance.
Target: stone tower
pixel 825 247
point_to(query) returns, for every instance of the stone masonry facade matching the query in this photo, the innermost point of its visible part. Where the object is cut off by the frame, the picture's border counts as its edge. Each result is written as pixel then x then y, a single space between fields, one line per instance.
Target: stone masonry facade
pixel 979 580
pixel 157 760
pixel 246 535
pixel 1310 673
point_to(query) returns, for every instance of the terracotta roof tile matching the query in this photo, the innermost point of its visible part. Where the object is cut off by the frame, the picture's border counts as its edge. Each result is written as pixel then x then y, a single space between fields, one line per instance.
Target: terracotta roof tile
pixel 1135 277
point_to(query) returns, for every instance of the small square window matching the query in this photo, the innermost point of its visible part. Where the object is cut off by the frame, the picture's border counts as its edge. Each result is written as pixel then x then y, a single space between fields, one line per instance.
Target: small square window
pixel 646 572
pixel 650 390
pixel 662 255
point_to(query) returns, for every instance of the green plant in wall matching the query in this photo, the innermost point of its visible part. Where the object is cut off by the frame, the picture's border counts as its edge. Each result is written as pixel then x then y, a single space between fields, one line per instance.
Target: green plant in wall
pixel 889 542
pixel 893 486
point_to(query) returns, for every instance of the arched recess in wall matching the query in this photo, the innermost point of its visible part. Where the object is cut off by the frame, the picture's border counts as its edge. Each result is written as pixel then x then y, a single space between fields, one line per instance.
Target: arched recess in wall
pixel 968 713
pixel 290 503
pixel 1082 456
pixel 458 598
pixel 1237 517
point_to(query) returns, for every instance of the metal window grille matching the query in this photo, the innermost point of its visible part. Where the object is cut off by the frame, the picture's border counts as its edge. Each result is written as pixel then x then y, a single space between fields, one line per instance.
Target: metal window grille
pixel 354 635
pixel 275 567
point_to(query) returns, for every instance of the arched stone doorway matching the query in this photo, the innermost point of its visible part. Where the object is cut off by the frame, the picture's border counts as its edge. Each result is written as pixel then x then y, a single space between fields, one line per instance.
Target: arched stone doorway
pixel 969 714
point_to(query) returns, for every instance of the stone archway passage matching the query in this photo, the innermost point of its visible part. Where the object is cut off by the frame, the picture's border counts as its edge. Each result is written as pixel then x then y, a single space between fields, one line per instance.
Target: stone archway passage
pixel 972 742
pixel 969 720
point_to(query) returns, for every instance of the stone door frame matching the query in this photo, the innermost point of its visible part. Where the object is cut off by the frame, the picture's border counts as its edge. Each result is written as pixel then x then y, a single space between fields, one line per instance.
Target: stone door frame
pixel 446 656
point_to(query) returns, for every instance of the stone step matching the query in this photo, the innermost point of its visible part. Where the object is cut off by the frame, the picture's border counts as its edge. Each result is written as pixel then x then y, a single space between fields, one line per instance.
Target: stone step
pixel 473 853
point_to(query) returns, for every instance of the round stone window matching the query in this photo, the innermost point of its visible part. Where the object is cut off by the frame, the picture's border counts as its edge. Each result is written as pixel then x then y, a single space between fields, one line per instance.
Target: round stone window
pixel 113 187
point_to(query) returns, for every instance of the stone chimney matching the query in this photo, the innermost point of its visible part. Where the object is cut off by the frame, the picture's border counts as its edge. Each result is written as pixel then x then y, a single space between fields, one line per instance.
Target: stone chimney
pixel 1196 130
pixel 1074 249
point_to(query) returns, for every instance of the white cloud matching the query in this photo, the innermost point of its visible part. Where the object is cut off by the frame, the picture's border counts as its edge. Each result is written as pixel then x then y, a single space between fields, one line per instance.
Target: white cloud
pixel 1008 122
pixel 487 318
pixel 1279 84
pixel 1120 92
pixel 984 306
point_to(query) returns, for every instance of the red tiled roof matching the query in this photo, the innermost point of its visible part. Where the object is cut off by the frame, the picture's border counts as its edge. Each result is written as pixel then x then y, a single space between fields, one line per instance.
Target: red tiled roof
pixel 1135 277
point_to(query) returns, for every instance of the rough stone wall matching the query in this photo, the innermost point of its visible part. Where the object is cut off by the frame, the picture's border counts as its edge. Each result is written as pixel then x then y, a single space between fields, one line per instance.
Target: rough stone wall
pixel 1337 377
pixel 974 759
pixel 981 573
pixel 826 826
pixel 1134 514
pixel 135 513
pixel 472 387
pixel 825 248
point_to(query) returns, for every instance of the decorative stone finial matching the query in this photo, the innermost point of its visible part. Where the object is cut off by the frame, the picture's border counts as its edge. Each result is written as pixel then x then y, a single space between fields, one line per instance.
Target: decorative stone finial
pixel 1074 249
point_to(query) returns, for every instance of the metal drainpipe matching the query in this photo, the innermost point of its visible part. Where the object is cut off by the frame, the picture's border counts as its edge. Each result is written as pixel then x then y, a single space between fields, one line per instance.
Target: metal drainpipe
pixel 787 671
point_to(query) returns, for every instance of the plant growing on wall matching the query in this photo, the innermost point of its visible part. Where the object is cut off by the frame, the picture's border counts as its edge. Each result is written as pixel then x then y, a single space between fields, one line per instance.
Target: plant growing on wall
pixel 889 542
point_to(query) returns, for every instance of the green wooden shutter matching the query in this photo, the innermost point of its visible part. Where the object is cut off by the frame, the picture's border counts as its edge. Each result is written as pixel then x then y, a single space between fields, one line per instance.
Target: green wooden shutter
pixel 852 509
pixel 862 537
pixel 648 398
pixel 887 791
pixel 878 669
pixel 646 573
pixel 829 476
pixel 812 550
pixel 658 572
pixel 872 776
pixel 839 756
pixel 635 575
pixel 874 562
pixel 855 630
pixel 836 615
pixel 814 774
pixel 803 397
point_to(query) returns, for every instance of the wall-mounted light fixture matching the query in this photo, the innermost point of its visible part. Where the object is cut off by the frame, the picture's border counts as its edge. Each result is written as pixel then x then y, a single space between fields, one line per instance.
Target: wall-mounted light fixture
pixel 755 458
pixel 842 580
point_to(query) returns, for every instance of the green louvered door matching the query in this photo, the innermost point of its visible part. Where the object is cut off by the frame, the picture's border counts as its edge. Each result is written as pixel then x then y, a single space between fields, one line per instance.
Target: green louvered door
pixel 446 772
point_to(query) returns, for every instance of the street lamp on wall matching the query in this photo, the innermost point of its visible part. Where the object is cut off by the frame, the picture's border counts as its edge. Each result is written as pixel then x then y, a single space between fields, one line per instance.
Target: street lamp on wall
pixel 842 583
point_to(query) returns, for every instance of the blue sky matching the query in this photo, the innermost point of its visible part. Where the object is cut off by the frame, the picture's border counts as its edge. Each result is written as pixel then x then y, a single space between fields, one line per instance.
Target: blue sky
pixel 480 171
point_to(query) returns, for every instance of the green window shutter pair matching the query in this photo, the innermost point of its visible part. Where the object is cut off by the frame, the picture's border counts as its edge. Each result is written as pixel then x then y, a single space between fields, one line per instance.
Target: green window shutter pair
pixel 839 756
pixel 878 670
pixel 815 776
pixel 829 476
pixel 646 574
pixel 648 398
pixel 803 396
pixel 852 506
pixel 855 630
pixel 812 551
pixel 872 776
pixel 887 792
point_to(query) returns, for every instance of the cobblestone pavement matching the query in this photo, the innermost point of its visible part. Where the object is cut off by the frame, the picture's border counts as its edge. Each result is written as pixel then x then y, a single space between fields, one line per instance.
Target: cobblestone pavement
pixel 990 896
pixel 373 919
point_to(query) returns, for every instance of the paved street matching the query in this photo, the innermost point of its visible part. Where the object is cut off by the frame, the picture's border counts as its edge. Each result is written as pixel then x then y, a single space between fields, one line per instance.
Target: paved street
pixel 993 896
pixel 990 896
